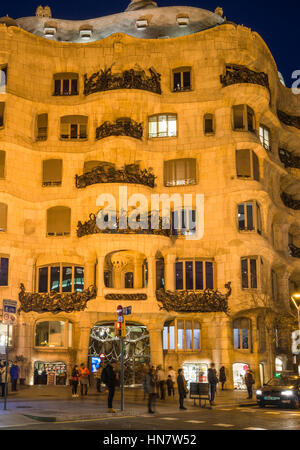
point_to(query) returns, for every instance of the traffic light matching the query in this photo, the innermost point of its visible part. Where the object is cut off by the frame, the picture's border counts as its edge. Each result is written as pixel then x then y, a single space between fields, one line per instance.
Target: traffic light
pixel 118 326
pixel 123 329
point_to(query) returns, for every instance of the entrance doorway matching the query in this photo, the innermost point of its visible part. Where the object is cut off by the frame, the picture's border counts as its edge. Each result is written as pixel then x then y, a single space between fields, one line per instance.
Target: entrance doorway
pixel 195 372
pixel 239 371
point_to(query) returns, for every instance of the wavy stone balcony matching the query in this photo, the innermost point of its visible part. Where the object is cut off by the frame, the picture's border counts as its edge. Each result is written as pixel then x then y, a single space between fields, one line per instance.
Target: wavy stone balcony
pixel 105 173
pixel 289 201
pixel 235 74
pixel 90 227
pixel 123 126
pixel 188 301
pixel 294 251
pixel 105 80
pixel 55 302
pixel 288 159
pixel 287 119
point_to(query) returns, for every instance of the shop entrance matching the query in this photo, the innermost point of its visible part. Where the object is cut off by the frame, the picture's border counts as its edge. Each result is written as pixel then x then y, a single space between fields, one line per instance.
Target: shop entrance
pixel 50 373
pixel 239 372
pixel 195 372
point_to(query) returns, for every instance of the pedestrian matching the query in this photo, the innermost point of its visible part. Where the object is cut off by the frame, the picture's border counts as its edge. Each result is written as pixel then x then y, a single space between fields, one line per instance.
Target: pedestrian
pixel 182 389
pixel 151 388
pixel 249 382
pixel 212 381
pixel 170 386
pixel 84 378
pixel 98 377
pixel 161 381
pixel 14 375
pixel 75 379
pixel 2 379
pixel 110 378
pixel 222 377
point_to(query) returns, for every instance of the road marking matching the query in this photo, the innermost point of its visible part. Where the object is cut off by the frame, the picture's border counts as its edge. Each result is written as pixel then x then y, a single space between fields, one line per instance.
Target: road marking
pixel 253 428
pixel 169 418
pixel 194 421
pixel 224 425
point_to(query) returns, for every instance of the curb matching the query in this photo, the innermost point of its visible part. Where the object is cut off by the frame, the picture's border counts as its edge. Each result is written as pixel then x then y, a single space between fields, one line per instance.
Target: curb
pixel 41 418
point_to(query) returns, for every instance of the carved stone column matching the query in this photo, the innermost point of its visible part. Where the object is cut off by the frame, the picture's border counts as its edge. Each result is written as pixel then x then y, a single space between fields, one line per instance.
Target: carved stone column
pixel 100 275
pixel 89 273
pixel 170 272
pixel 138 272
pixel 83 344
pixel 156 348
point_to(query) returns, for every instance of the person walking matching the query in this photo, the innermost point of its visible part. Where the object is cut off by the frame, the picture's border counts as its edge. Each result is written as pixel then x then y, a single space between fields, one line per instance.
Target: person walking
pixel 84 378
pixel 75 379
pixel 182 389
pixel 110 378
pixel 14 375
pixel 151 388
pixel 222 377
pixel 170 386
pixel 161 382
pixel 249 382
pixel 212 381
pixel 98 377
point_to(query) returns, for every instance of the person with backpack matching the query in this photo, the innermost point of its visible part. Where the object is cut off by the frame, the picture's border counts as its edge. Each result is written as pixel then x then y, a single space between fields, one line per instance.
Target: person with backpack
pixel 212 381
pixel 84 378
pixel 110 378
pixel 75 379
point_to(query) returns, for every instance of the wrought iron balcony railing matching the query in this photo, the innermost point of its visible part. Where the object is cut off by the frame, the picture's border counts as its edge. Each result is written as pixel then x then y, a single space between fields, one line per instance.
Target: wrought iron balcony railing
pixel 288 159
pixel 122 127
pixel 289 201
pixel 292 121
pixel 241 74
pixel 294 251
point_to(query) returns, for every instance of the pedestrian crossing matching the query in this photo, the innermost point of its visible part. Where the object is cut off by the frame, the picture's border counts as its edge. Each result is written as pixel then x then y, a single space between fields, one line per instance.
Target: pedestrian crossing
pixel 220 425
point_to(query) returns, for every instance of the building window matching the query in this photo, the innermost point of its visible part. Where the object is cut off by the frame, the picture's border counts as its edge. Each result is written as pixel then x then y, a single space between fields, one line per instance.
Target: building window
pixel 247 164
pixel 4 262
pixel 3 79
pixel 42 127
pixel 129 280
pixel 52 172
pixel 181 335
pixel 73 127
pixel 182 79
pixel 243 118
pixel 183 222
pixel 2 164
pixel 3 217
pixel 180 172
pixel 209 124
pixel 265 137
pixel 58 221
pixel 249 217
pixel 53 334
pixel 249 272
pixel 160 274
pixel 242 334
pixel 66 84
pixel 194 275
pixel 163 125
pixel 60 278
pixel 3 337
pixel 2 108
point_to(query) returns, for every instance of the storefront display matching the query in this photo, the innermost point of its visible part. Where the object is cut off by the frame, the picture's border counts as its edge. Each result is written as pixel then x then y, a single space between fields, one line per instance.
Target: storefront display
pixel 195 372
pixel 239 372
pixel 50 373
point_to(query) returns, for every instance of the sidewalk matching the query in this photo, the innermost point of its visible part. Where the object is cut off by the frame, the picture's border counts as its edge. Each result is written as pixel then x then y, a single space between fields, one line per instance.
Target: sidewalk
pixel 35 404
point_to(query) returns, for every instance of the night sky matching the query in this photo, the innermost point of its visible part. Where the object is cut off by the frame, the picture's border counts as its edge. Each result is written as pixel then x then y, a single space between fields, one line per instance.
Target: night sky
pixel 276 21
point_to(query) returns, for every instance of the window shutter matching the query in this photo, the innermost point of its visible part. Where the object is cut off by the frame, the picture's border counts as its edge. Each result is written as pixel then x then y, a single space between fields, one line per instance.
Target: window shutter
pixel 243 168
pixel 168 169
pixel 58 220
pixel 180 171
pixel 52 170
pixel 238 117
pixel 2 164
pixel 42 125
pixel 3 217
pixel 255 166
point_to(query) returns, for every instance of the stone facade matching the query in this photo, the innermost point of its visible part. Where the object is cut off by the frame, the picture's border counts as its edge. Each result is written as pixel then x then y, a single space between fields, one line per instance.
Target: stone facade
pixel 31 63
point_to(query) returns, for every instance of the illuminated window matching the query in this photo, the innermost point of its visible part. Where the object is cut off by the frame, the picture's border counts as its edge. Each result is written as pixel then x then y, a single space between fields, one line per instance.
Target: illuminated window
pixel 163 125
pixel 180 172
pixel 3 337
pixel 53 334
pixel 60 278
pixel 181 335
pixel 242 334
pixel 265 137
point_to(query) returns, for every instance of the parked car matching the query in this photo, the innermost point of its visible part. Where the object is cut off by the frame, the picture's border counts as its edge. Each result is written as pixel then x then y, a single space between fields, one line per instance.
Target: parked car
pixel 280 391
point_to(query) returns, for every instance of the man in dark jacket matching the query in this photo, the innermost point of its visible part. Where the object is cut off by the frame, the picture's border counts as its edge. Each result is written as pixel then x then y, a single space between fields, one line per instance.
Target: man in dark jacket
pixel 14 375
pixel 212 381
pixel 249 381
pixel 182 389
pixel 109 377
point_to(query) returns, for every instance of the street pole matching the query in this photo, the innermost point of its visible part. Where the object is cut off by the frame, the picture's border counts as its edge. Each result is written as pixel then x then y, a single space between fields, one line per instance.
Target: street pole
pixel 122 374
pixel 6 371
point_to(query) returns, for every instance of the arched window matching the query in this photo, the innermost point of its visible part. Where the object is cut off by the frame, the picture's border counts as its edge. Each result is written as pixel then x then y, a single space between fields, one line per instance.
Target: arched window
pixel 181 335
pixel 242 333
pixel 52 172
pixel 3 217
pixel 42 127
pixel 53 334
pixel 66 83
pixel 2 164
pixel 209 124
pixel 243 118
pixel 73 127
pixel 180 172
pixel 60 277
pixel 58 221
pixel 247 164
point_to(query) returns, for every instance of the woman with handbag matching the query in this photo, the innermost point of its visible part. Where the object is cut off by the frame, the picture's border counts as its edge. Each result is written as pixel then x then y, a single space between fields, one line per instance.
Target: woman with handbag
pixel 182 389
pixel 75 379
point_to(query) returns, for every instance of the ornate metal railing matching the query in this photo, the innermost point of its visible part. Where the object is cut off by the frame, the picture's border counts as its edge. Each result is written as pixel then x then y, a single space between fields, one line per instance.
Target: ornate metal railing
pixel 289 201
pixel 187 301
pixel 241 74
pixel 90 227
pixel 105 80
pixel 122 127
pixel 288 159
pixel 55 302
pixel 105 173
pixel 292 121
pixel 134 297
pixel 294 251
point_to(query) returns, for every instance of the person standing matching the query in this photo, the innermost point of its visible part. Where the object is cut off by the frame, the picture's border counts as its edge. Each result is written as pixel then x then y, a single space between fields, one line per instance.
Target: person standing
pixel 84 378
pixel 182 389
pixel 2 379
pixel 161 382
pixel 75 378
pixel 212 381
pixel 151 389
pixel 170 386
pixel 249 382
pixel 222 377
pixel 14 375
pixel 110 378
pixel 98 377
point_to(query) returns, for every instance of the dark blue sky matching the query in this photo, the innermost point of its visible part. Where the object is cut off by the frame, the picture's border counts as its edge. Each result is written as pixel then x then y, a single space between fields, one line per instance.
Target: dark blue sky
pixel 277 22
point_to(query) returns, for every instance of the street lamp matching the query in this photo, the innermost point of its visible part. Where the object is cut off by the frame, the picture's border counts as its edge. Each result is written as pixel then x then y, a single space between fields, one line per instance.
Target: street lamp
pixel 296 297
